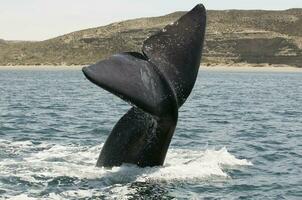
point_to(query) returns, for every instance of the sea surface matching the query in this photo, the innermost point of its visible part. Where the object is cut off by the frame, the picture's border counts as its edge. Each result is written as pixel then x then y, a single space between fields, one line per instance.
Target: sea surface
pixel 239 136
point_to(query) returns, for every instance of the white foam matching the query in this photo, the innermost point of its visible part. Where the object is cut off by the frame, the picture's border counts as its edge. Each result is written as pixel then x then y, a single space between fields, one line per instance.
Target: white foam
pixel 22 197
pixel 185 165
pixel 55 160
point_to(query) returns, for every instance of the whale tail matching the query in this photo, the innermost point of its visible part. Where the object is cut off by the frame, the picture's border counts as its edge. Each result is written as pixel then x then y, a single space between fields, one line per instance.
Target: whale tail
pixel 157 82
pixel 176 51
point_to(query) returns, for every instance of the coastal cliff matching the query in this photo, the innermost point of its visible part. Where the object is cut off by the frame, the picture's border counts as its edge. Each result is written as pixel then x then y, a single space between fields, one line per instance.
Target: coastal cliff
pixel 232 36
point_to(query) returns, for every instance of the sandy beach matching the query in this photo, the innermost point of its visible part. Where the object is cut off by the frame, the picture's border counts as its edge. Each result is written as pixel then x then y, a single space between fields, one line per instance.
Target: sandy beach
pixel 246 67
pixel 252 68
pixel 42 67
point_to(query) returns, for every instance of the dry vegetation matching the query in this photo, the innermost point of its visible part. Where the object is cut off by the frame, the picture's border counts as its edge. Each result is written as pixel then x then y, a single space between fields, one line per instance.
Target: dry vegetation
pixel 234 36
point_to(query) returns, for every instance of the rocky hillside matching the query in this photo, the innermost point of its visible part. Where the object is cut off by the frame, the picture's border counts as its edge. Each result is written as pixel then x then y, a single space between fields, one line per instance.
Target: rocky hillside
pixel 233 36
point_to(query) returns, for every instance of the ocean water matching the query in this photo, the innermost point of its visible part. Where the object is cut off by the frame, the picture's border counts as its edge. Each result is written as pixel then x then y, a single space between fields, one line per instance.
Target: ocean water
pixel 239 136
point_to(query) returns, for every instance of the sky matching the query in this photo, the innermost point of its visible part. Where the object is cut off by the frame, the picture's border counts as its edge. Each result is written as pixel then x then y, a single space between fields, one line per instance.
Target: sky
pixel 44 19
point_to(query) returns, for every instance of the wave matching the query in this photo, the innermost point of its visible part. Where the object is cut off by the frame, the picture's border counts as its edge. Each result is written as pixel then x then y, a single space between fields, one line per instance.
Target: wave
pixel 46 164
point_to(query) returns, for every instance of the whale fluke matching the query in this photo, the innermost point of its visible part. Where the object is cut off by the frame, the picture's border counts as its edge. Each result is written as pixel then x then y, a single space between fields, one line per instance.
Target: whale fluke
pixel 176 51
pixel 156 82
pixel 131 77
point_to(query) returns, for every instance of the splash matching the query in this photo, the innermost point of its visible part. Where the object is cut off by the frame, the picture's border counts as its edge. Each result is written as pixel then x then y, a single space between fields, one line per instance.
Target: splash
pixel 46 165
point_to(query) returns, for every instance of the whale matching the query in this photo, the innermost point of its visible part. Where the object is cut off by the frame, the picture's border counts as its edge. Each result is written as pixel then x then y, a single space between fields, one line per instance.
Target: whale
pixel 156 82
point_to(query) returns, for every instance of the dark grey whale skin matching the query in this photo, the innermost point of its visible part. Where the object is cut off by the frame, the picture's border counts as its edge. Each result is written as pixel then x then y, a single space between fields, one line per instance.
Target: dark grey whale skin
pixel 156 82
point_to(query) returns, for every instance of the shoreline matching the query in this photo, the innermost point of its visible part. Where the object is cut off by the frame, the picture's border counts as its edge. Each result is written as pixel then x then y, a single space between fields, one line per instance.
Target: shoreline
pixel 249 68
pixel 42 67
pixel 229 67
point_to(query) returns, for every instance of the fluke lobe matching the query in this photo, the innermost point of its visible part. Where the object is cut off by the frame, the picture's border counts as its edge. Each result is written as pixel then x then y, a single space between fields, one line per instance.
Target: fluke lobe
pixel 156 82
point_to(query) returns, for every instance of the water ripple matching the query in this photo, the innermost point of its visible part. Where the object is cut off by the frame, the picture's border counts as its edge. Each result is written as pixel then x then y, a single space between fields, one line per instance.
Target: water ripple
pixel 53 125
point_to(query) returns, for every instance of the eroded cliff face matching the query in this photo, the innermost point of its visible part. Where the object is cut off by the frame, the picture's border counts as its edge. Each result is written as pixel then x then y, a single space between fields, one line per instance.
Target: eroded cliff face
pixel 234 36
pixel 273 37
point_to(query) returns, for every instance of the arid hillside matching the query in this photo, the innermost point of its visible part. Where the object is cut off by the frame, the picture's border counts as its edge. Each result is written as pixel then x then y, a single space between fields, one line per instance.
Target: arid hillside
pixel 233 36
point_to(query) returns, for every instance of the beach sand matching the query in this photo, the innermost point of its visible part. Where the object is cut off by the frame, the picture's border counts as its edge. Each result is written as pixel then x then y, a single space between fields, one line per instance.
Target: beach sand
pixel 244 67
pixel 248 67
pixel 42 67
pixel 251 68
